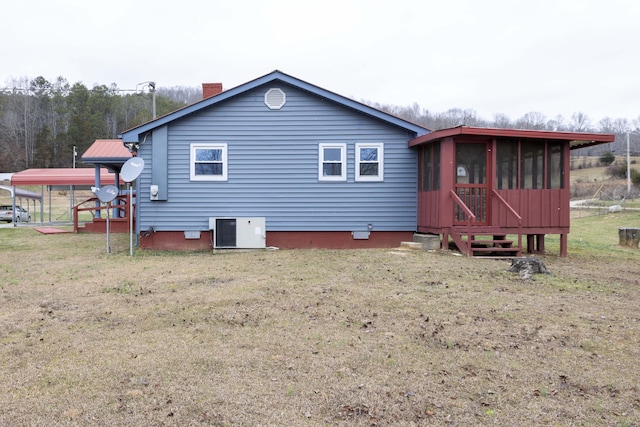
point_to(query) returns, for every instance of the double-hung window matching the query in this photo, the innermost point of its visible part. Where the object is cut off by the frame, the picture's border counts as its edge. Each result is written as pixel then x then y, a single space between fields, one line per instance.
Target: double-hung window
pixel 208 162
pixel 369 162
pixel 332 164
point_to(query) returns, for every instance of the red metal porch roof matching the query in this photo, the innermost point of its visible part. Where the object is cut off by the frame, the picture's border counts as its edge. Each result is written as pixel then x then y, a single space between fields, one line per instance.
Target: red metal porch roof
pixel 106 149
pixel 576 139
pixel 66 176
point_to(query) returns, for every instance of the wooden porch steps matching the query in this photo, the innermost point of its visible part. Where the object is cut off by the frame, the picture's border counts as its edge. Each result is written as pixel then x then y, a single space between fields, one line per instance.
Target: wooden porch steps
pixel 99 225
pixel 493 247
pixel 486 244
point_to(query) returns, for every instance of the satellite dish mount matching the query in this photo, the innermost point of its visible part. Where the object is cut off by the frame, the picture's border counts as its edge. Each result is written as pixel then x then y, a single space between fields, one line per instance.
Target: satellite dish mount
pixel 130 171
pixel 106 194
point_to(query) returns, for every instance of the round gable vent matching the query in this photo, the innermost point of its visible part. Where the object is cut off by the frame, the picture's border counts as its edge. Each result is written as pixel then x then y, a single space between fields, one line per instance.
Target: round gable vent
pixel 275 98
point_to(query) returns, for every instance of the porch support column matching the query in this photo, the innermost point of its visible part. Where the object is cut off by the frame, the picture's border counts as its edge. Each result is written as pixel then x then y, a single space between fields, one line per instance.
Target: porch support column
pixel 540 243
pixel 563 245
pixel 97 212
pixel 535 243
pixel 531 246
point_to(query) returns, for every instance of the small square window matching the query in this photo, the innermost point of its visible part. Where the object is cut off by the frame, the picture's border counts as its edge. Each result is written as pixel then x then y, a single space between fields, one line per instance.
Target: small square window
pixel 369 162
pixel 208 162
pixel 332 162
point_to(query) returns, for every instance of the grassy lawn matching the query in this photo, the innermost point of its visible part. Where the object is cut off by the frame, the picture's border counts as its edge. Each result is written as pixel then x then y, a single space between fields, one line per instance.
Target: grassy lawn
pixel 317 337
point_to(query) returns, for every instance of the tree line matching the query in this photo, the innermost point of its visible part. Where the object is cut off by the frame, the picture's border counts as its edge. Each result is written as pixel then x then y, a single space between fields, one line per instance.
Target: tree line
pixel 42 121
pixel 578 122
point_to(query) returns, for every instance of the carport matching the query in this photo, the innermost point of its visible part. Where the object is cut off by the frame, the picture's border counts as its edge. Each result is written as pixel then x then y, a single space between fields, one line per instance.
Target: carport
pixel 57 179
pixel 107 156
pixel 20 194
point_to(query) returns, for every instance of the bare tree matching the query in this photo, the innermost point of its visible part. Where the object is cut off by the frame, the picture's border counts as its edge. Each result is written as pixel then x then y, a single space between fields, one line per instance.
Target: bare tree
pixel 533 120
pixel 458 117
pixel 181 94
pixel 501 121
pixel 18 121
pixel 621 126
pixel 580 122
pixel 557 123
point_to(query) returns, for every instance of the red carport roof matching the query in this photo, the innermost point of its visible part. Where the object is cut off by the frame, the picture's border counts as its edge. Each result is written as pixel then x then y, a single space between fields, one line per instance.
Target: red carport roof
pixel 76 177
pixel 576 139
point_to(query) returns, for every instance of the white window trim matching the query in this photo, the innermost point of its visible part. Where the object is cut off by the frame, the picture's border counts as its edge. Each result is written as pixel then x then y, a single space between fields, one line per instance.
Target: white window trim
pixel 192 162
pixel 370 178
pixel 343 159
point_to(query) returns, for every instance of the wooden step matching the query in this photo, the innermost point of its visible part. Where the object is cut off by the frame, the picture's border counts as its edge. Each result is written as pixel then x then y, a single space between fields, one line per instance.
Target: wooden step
pixel 412 245
pixel 99 225
pixel 496 247
pixel 492 249
pixel 493 243
pixel 507 251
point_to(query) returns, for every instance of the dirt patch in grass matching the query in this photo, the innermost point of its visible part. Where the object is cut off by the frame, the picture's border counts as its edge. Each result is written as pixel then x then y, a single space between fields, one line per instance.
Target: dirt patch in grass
pixel 311 337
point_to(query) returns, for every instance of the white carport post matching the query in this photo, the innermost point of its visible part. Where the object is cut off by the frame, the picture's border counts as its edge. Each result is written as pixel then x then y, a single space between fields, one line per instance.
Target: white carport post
pixel 97 213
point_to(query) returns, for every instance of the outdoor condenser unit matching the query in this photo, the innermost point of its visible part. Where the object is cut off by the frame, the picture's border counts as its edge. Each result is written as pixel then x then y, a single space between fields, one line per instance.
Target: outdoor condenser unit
pixel 241 233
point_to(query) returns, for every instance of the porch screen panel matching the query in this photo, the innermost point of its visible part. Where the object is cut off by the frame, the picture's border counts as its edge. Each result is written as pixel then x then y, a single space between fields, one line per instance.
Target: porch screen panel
pixel 532 165
pixel 430 167
pixel 471 164
pixel 427 168
pixel 507 164
pixel 555 165
pixel 436 166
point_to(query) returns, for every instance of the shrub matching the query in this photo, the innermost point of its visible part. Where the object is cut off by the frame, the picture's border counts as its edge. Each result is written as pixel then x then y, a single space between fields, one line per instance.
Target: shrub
pixel 607 158
pixel 617 171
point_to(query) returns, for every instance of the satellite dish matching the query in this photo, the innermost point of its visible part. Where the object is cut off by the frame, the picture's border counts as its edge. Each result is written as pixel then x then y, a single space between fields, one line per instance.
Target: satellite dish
pixel 107 193
pixel 132 169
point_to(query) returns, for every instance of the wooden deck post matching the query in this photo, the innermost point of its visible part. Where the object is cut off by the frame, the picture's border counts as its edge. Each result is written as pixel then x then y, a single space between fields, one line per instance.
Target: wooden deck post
pixel 563 245
pixel 629 237
pixel 535 243
pixel 531 246
pixel 540 243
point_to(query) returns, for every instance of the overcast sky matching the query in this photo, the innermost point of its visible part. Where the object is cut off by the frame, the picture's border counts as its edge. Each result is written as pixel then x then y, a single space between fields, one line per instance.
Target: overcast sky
pixel 556 57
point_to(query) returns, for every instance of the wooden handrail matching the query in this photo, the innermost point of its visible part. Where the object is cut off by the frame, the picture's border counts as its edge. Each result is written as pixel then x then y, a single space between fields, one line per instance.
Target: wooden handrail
pixel 76 209
pixel 463 205
pixel 471 218
pixel 507 205
pixel 514 213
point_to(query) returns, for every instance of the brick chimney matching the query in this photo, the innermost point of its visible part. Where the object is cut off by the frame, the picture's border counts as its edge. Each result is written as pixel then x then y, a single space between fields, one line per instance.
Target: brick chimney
pixel 210 89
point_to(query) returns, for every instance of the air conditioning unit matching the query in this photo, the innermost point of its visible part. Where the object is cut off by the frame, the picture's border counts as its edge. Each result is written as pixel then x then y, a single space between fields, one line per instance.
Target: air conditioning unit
pixel 241 233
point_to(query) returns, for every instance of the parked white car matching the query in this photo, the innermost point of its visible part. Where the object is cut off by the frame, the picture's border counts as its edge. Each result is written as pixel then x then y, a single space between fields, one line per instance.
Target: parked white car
pixel 6 214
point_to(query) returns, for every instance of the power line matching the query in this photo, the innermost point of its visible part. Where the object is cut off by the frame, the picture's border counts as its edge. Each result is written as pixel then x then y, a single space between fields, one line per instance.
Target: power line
pixel 65 91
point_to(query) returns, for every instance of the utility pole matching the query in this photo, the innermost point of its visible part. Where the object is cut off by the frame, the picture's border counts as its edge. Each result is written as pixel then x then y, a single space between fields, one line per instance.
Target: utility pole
pixel 152 86
pixel 628 168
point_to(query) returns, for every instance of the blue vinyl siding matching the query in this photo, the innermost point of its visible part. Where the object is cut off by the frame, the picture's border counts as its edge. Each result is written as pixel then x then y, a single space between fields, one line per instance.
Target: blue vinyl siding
pixel 273 168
